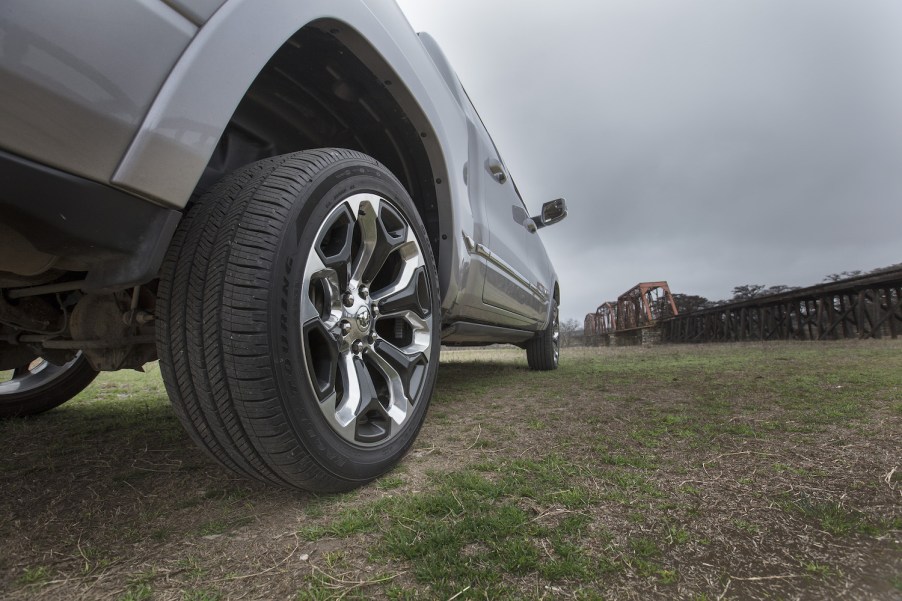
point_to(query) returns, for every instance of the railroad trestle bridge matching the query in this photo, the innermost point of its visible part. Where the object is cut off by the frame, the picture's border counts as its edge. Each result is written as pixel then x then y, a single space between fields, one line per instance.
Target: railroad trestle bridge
pixel 868 306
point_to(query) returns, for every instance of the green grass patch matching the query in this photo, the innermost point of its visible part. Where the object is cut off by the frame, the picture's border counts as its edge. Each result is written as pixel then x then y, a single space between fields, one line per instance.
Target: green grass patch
pixel 643 462
pixel 138 592
pixel 34 575
pixel 390 482
pixel 839 520
pixel 201 595
pixel 223 525
pixel 896 582
pixel 816 569
pixel 350 521
pixel 471 527
pixel 617 472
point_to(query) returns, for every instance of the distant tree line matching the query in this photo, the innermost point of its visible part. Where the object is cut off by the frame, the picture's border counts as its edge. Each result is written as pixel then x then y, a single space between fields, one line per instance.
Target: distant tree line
pixel 569 330
pixel 689 303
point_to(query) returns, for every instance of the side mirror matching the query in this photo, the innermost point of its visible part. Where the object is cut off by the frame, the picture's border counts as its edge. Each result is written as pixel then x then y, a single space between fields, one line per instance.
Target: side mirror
pixel 552 212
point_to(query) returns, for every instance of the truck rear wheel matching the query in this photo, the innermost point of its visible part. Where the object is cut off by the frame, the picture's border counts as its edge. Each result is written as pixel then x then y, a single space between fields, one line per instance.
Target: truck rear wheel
pixel 543 352
pixel 297 322
pixel 39 385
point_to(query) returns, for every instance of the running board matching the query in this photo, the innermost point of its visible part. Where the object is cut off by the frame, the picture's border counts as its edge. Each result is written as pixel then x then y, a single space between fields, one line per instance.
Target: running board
pixel 462 332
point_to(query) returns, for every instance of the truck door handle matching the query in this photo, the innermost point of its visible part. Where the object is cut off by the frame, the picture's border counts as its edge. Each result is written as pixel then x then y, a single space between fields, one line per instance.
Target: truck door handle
pixel 497 171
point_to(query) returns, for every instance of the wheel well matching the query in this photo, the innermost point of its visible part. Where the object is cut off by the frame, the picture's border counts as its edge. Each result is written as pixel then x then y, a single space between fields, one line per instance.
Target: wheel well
pixel 327 87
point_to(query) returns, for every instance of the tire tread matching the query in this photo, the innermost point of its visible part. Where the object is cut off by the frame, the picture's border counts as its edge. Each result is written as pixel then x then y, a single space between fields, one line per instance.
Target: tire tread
pixel 540 349
pixel 211 332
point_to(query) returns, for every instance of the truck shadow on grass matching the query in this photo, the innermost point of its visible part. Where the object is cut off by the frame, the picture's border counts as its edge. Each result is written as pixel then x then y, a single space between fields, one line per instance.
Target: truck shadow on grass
pixel 115 467
pixel 109 473
pixel 112 474
pixel 121 439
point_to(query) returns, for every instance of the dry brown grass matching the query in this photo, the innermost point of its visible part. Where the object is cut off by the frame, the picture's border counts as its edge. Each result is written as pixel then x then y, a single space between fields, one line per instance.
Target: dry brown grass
pixel 712 472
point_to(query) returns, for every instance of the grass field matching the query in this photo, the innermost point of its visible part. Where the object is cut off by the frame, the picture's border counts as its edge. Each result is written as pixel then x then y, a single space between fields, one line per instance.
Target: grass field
pixel 692 472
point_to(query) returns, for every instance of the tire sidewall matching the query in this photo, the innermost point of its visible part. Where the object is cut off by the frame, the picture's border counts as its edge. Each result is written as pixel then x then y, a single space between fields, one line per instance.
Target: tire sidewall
pixel 300 405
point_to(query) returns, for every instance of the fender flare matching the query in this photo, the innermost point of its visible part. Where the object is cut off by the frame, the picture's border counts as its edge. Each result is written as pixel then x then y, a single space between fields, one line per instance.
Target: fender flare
pixel 185 122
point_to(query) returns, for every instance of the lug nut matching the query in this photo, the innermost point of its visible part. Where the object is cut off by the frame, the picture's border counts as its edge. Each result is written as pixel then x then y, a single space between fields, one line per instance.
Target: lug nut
pixel 348 300
pixel 375 309
pixel 357 347
pixel 345 327
pixel 364 292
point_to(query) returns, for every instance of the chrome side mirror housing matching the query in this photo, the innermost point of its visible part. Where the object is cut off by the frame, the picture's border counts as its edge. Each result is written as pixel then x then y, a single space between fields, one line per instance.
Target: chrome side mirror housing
pixel 552 212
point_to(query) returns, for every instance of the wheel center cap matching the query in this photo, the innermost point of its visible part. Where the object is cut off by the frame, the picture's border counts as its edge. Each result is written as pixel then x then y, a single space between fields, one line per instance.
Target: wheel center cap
pixel 364 319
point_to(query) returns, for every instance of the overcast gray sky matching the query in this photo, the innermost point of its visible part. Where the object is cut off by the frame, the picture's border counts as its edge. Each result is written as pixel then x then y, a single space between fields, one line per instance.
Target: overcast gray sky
pixel 710 143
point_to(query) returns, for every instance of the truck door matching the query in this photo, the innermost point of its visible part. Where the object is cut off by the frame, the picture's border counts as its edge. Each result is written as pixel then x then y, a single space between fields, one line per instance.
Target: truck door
pixel 511 247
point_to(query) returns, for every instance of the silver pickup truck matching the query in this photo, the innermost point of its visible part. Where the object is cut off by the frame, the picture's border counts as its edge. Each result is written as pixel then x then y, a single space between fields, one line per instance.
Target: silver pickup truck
pixel 292 204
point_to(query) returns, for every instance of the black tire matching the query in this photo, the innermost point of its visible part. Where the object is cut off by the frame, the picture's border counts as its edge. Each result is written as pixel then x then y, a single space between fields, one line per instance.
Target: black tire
pixel 315 403
pixel 39 386
pixel 543 352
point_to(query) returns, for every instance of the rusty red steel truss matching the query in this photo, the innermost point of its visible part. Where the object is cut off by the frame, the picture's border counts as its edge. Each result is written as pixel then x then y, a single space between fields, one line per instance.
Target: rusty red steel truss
pixel 603 320
pixel 643 305
pixel 865 306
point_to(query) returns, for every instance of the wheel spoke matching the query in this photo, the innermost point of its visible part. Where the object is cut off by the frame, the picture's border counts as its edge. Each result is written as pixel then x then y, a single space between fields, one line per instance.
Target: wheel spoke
pixel 34 375
pixel 323 286
pixel 378 240
pixel 333 246
pixel 21 372
pixel 29 369
pixel 322 353
pixel 409 294
pixel 369 238
pixel 404 361
pixel 421 338
pixel 331 281
pixel 352 414
pixel 398 404
pixel 408 363
pixel 358 391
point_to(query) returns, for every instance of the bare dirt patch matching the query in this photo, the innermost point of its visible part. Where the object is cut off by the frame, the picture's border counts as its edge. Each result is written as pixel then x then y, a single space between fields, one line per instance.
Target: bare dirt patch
pixel 710 472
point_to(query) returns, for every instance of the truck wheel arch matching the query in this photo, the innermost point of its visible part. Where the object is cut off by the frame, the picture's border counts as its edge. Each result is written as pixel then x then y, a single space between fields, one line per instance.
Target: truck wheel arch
pixel 190 137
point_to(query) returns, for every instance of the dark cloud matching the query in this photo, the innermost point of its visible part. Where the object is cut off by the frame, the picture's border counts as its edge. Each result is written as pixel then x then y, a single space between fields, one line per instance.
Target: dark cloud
pixel 704 142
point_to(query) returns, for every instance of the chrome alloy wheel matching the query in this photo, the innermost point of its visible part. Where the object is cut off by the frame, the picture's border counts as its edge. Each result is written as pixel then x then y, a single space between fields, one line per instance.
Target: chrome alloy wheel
pixel 366 319
pixel 40 385
pixel 556 335
pixel 32 376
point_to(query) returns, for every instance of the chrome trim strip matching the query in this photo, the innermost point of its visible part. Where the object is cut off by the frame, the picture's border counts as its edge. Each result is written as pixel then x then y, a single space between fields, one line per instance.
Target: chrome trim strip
pixel 479 249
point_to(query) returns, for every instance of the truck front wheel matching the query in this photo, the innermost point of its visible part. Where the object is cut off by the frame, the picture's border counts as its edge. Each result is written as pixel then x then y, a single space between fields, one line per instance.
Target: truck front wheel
pixel 298 320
